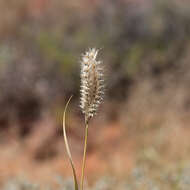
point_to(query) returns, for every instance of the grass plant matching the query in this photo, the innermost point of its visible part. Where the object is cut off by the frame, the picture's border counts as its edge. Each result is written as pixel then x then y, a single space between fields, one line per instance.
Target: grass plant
pixel 92 92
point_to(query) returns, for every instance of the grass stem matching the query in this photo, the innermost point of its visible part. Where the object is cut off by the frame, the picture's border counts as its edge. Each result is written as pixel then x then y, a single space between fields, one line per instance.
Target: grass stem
pixel 84 156
pixel 67 145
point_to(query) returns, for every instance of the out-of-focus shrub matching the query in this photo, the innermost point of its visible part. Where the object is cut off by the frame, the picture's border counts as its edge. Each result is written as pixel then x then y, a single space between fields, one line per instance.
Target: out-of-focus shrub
pixel 39 56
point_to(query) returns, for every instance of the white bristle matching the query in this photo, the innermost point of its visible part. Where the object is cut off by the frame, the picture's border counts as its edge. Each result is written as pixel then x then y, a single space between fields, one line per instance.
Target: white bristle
pixel 92 83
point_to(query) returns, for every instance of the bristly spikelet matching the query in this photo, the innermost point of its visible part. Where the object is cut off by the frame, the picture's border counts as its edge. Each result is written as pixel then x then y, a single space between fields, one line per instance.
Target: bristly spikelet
pixel 92 83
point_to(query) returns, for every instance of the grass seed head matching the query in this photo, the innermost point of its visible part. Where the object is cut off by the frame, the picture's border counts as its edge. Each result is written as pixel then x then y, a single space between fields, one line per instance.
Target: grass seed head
pixel 92 83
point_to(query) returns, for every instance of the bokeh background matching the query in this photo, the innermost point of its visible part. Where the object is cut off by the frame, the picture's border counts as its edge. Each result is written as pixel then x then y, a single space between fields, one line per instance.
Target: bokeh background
pixel 140 138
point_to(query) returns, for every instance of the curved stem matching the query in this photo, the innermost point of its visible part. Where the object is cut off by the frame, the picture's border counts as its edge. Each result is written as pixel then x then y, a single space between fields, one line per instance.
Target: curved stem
pixel 84 156
pixel 67 145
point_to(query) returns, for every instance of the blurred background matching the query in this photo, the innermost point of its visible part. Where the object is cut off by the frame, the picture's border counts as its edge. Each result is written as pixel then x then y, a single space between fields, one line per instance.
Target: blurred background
pixel 140 138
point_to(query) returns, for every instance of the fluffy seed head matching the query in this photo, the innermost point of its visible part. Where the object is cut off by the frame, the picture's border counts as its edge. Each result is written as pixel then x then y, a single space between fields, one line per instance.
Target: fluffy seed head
pixel 92 83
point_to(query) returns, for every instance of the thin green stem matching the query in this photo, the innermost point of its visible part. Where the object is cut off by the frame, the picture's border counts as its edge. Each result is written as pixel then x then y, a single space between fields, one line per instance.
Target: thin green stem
pixel 84 156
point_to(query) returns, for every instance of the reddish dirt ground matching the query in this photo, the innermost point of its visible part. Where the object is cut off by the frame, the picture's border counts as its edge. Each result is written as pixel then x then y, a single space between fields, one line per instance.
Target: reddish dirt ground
pixel 108 152
pixel 112 149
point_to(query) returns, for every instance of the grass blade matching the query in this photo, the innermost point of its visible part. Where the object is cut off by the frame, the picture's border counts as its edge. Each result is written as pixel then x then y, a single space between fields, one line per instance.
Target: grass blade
pixel 67 145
